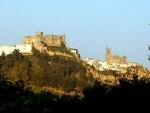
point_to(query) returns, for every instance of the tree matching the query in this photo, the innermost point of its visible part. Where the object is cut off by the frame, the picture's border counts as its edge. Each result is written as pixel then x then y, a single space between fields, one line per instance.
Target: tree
pixel 17 56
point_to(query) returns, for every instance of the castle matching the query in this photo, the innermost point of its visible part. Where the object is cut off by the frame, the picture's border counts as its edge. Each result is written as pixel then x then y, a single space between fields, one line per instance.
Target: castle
pixel 38 41
pixel 114 58
pixel 49 40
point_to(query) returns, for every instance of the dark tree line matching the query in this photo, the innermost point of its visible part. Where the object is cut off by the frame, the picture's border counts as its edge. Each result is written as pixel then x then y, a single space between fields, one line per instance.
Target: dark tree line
pixel 128 95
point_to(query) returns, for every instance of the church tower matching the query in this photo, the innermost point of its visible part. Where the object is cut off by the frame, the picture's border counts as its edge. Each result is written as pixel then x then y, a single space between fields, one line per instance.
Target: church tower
pixel 108 55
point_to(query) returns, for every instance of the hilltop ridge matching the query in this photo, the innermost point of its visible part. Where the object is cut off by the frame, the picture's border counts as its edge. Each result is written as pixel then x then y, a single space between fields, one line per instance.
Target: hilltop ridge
pixel 45 62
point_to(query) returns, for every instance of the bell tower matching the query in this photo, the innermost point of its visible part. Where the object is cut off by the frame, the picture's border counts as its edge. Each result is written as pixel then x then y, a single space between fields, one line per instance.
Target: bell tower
pixel 108 55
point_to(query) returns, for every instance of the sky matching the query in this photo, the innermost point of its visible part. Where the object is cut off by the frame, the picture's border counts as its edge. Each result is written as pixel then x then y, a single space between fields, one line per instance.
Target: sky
pixel 89 25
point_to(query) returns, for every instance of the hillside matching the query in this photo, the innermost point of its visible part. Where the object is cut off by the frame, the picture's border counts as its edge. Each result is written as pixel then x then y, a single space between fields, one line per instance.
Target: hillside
pixel 46 83
pixel 59 71
pixel 127 95
pixel 43 71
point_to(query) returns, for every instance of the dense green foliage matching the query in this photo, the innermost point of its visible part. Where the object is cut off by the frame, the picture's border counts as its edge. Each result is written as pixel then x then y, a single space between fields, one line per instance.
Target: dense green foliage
pixel 42 70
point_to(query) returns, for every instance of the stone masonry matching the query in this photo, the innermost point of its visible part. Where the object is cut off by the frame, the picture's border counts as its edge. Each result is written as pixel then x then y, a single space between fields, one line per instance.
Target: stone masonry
pixel 49 40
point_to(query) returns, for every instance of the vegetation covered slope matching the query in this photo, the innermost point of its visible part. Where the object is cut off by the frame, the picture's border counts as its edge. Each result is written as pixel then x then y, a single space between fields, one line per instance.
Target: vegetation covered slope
pixel 127 95
pixel 19 74
pixel 41 70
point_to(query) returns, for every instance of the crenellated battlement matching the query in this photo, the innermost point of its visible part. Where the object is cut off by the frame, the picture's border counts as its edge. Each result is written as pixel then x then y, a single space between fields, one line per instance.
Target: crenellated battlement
pixel 50 40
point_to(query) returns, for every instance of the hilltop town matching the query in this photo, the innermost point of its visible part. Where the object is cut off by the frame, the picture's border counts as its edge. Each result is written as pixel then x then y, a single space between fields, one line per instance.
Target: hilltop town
pixel 112 62
pixel 42 66
pixel 57 45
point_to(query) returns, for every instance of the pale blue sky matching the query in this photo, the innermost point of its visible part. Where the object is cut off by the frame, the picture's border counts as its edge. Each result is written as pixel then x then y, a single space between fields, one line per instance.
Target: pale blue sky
pixel 90 25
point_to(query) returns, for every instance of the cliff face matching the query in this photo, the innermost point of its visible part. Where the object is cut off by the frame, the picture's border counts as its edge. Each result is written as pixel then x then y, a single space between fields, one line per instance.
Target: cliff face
pixel 112 77
pixel 139 71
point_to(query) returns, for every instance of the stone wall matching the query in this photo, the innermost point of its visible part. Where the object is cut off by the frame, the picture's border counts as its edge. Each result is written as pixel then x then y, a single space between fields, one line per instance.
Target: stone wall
pixel 28 40
pixel 50 40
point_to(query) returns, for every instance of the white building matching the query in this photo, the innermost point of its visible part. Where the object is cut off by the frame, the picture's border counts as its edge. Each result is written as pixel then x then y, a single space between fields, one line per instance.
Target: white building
pixel 6 49
pixel 74 51
pixel 102 66
pixel 96 63
pixel 24 49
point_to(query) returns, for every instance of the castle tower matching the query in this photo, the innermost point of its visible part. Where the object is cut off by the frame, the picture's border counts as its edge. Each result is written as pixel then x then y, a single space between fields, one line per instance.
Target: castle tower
pixel 62 40
pixel 38 38
pixel 39 34
pixel 108 55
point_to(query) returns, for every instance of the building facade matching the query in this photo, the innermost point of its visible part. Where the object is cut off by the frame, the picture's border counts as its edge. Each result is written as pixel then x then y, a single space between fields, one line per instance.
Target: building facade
pixel 114 58
pixel 24 49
